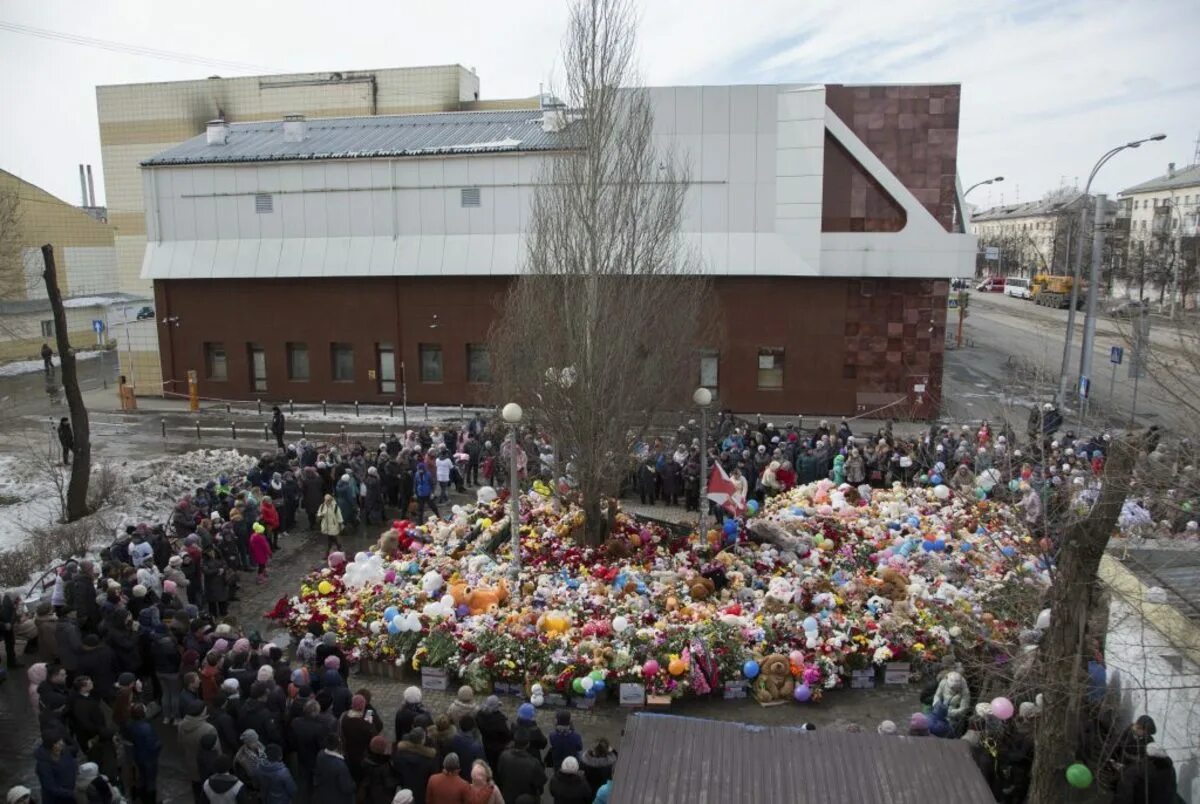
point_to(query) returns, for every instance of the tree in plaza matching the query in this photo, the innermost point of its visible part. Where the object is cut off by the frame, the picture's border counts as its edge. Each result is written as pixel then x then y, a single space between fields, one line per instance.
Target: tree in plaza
pixel 602 328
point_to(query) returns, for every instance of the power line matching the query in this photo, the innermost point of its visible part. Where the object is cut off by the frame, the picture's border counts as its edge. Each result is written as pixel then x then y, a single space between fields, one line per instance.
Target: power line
pixel 133 50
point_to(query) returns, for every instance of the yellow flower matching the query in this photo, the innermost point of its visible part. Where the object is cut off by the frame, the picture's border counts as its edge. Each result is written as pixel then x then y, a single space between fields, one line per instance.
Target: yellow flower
pixel 919 646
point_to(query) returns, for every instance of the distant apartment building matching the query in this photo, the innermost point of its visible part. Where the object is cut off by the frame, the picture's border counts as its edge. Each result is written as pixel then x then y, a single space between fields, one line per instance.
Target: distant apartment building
pixel 138 121
pixel 1162 217
pixel 1029 238
pixel 85 259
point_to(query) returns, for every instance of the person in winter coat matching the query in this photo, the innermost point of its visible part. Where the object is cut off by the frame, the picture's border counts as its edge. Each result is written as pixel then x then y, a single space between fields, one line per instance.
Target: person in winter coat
pixel 447 787
pixel 275 782
pixel 597 763
pixel 466 745
pixel 66 439
pixel 494 730
pixel 414 762
pixel 564 740
pixel 216 590
pixel 407 713
pixel 145 746
pixel 278 425
pixel 332 521
pixel 68 640
pixel 90 725
pixel 521 771
pixel 260 551
pixel 192 728
pixel 483 786
pixel 1148 780
pixel 373 499
pixel 306 736
pixel 533 733
pixel 423 488
pixel 346 493
pixel 356 727
pixel 97 661
pixel 568 785
pixel 250 758
pixel 222 787
pixel 312 491
pixel 378 781
pixel 332 783
pixel 57 770
pixel 268 515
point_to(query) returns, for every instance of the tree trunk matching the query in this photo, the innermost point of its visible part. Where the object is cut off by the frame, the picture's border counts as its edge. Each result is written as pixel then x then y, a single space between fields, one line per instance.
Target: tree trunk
pixel 81 461
pixel 595 528
pixel 1060 657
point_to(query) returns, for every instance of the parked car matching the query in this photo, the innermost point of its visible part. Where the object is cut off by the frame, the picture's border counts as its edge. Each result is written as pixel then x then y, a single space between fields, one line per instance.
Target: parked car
pixel 991 284
pixel 1017 287
pixel 1128 308
pixel 145 312
pixel 960 284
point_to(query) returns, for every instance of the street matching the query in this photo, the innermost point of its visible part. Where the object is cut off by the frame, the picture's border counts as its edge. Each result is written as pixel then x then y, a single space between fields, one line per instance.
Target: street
pixel 1010 360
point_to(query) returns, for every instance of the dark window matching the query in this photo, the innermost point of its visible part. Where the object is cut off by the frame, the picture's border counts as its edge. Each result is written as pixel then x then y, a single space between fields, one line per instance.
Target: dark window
pixel 216 366
pixel 341 362
pixel 770 368
pixel 297 356
pixel 469 196
pixel 479 363
pixel 263 203
pixel 258 367
pixel 431 362
pixel 48 329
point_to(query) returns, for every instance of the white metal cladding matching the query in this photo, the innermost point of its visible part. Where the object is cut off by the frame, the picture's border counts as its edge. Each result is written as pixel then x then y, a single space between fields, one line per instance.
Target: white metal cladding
pixel 754 208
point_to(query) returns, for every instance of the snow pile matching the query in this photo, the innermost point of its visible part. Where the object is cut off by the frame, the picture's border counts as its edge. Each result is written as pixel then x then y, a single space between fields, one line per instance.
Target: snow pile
pixel 18 367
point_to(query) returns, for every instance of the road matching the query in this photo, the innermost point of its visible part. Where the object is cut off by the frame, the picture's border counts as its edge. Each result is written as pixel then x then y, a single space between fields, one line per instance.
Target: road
pixel 1011 356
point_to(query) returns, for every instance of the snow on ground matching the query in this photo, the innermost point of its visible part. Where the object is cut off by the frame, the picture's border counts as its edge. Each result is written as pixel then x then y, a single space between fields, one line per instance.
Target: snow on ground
pixel 151 488
pixel 17 367
pixel 373 414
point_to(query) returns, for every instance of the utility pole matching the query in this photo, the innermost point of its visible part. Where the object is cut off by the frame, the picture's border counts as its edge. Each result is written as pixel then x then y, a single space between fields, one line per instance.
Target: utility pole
pixel 1089 323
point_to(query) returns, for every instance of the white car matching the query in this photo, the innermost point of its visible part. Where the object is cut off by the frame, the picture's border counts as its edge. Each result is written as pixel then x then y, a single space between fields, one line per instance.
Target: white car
pixel 1017 287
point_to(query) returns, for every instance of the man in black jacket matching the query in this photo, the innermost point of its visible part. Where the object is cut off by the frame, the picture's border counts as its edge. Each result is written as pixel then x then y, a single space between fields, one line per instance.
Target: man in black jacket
pixel 66 438
pixel 520 772
pixel 307 737
pixel 256 715
pixel 414 762
pixel 278 425
pixel 96 661
pixel 332 782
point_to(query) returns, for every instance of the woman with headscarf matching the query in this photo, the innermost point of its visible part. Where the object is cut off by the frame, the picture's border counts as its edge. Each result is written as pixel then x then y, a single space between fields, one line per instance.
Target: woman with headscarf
pixel 329 515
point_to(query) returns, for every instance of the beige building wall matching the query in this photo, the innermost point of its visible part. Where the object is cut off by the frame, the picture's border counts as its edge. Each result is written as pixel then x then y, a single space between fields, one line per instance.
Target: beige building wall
pixel 140 120
pixel 23 332
pixel 83 247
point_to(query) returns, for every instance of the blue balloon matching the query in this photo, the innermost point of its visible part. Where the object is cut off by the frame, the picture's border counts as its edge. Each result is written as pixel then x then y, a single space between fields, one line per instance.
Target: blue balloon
pixel 590 693
pixel 389 613
pixel 939 545
pixel 893 526
pixel 730 527
pixel 810 623
pixel 572 583
pixel 965 547
pixel 796 510
pixel 752 507
pixel 393 628
pixel 914 522
pixel 1008 550
pixel 750 669
pixel 927 546
pixel 935 479
pixel 598 685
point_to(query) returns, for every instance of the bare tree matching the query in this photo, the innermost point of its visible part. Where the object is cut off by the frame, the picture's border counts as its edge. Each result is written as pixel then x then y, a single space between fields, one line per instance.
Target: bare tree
pixel 81 460
pixel 602 328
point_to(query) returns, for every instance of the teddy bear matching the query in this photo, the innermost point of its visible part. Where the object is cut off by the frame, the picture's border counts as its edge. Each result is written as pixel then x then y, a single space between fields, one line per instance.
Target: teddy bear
pixel 893 584
pixel 700 587
pixel 781 593
pixel 774 683
pixel 483 599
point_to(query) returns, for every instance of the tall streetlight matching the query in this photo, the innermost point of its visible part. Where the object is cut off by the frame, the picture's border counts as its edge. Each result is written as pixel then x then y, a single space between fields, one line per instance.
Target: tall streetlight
pixel 703 398
pixel 967 191
pixel 512 414
pixel 1089 321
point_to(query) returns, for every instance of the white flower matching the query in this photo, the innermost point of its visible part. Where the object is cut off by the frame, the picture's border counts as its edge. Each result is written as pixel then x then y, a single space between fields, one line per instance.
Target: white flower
pixel 882 654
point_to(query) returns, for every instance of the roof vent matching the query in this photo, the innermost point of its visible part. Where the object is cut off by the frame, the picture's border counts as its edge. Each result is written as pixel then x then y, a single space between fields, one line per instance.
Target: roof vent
pixel 1171 170
pixel 554 120
pixel 218 132
pixel 295 128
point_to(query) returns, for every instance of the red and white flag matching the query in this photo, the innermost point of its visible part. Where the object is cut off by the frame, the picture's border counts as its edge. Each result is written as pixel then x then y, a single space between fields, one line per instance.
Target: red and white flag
pixel 724 492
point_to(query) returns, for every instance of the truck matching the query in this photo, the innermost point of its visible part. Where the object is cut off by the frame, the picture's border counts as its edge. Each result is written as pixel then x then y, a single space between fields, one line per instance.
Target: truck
pixel 1051 290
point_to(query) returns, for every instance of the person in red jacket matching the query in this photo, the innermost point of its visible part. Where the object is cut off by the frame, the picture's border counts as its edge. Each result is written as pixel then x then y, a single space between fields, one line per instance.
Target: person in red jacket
pixel 269 516
pixel 260 551
pixel 447 787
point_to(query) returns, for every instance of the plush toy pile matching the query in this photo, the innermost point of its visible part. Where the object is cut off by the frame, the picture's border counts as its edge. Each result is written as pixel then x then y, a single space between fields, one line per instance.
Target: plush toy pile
pixel 820 582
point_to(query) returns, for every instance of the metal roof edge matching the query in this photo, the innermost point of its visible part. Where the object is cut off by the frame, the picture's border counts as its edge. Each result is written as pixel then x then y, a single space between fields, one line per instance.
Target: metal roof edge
pixel 1162 617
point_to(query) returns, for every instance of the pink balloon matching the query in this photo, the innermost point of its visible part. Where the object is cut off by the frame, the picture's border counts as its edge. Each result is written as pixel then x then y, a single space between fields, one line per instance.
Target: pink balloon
pixel 796 657
pixel 1002 708
pixel 390 576
pixel 650 668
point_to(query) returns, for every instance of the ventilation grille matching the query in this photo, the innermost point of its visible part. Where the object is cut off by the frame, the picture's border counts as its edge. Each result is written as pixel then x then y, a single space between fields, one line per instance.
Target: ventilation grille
pixel 263 203
pixel 470 196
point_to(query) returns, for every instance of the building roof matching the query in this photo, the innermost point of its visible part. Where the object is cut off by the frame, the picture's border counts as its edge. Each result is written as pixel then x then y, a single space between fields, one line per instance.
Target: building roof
pixel 1174 569
pixel 511 130
pixel 1029 209
pixel 26 306
pixel 667 759
pixel 1184 177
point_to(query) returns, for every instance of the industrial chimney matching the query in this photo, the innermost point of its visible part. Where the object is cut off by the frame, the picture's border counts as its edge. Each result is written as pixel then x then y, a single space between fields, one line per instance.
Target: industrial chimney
pixel 218 132
pixel 295 128
pixel 91 195
pixel 83 187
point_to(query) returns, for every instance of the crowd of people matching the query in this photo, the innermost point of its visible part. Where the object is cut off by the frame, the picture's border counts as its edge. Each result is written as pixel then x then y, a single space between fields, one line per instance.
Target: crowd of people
pixel 146 634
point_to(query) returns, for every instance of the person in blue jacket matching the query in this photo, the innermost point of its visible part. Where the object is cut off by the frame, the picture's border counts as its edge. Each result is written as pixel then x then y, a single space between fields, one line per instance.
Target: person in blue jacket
pixel 57 769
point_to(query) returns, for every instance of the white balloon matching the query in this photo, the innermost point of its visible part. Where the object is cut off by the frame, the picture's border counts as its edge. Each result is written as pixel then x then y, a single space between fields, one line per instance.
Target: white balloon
pixel 361 556
pixel 485 494
pixel 448 601
pixel 619 624
pixel 588 682
pixel 376 626
pixel 941 492
pixel 412 622
pixel 398 621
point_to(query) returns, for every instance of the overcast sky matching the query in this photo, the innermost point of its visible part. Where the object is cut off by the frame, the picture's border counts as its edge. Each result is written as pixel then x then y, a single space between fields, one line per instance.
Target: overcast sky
pixel 1047 86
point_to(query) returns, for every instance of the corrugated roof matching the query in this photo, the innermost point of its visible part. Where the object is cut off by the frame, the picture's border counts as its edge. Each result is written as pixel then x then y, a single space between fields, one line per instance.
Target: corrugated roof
pixel 372 137
pixel 1027 209
pixel 1183 177
pixel 1175 569
pixel 667 759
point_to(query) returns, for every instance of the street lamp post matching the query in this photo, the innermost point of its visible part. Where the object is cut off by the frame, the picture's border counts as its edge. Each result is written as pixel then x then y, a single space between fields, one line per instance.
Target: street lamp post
pixel 1089 321
pixel 967 191
pixel 703 398
pixel 512 413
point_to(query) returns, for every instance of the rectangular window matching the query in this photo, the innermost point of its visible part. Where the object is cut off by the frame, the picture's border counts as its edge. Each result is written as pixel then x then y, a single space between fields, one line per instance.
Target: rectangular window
pixel 469 196
pixel 386 366
pixel 770 368
pixel 479 363
pixel 431 362
pixel 216 366
pixel 341 362
pixel 258 366
pixel 709 364
pixel 48 328
pixel 297 356
pixel 263 203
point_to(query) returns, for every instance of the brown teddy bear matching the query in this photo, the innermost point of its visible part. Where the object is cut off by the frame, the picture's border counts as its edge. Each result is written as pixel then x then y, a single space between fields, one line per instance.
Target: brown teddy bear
pixel 893 584
pixel 774 684
pixel 700 587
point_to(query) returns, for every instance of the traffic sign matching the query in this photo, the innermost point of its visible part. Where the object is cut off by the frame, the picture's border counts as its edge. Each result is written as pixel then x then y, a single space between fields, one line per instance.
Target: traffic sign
pixel 1085 385
pixel 991 253
pixel 1115 355
pixel 97 325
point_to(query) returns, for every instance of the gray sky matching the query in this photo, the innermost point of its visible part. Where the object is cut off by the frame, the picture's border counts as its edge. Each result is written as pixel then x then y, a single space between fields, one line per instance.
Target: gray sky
pixel 1048 85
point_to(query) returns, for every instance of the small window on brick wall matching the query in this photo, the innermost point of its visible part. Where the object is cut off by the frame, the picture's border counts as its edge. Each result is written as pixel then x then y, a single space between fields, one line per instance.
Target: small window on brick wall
pixel 770 368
